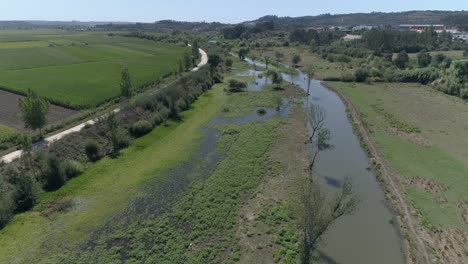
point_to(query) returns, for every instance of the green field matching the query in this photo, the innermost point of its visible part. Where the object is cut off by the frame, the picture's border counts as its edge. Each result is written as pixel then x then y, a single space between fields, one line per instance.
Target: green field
pixel 79 69
pixel 433 161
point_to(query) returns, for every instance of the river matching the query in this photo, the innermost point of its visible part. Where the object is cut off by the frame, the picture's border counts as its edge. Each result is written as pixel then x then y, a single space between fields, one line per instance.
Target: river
pixel 369 235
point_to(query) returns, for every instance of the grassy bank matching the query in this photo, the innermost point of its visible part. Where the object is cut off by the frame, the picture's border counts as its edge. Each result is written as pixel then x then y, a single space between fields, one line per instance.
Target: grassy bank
pixel 422 135
pixel 104 189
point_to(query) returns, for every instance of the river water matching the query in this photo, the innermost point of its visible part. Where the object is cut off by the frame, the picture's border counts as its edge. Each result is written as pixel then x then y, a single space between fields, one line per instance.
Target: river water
pixel 369 235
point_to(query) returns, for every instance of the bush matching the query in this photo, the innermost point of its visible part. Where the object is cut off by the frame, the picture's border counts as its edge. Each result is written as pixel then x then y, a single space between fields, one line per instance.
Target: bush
pixel 347 77
pixel 122 140
pixel 92 150
pixel 156 119
pixel 422 75
pixel 72 168
pixel 261 111
pixel 236 86
pixel 228 62
pixel 53 177
pixel 26 192
pixel 361 75
pixel 7 205
pixel 141 128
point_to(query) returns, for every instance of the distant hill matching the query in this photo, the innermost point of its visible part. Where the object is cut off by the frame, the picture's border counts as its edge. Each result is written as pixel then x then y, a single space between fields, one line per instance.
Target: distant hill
pixel 451 18
pixel 372 19
pixel 52 24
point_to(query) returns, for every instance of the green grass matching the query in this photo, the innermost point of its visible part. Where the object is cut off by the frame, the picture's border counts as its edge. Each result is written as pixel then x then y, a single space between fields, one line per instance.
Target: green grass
pixel 81 70
pixel 420 115
pixel 105 188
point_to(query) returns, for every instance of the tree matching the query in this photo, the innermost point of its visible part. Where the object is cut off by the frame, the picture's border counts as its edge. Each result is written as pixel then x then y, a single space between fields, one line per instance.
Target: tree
pixel 279 56
pixel 113 128
pixel 321 212
pixel 296 59
pixel 214 60
pixel 267 61
pixel 92 150
pixel 187 60
pixel 181 67
pixel 401 60
pixel 195 51
pixel 242 53
pixel 54 176
pixel 229 62
pixel 279 101
pixel 276 78
pixel 25 191
pixel 316 117
pixel 424 59
pixel 310 72
pixel 34 110
pixel 26 145
pixel 126 89
pixel 361 75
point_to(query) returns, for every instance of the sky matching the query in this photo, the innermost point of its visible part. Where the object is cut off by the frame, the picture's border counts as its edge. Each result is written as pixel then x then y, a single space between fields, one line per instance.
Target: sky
pixel 232 11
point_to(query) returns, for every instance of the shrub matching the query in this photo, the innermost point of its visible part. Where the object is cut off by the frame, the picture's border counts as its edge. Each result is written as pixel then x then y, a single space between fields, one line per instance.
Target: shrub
pixel 53 177
pixel 141 128
pixel 92 150
pixel 236 86
pixel 72 168
pixel 424 59
pixel 347 77
pixel 7 205
pixel 361 75
pixel 25 192
pixel 228 62
pixel 423 75
pixel 156 119
pixel 261 111
pixel 122 140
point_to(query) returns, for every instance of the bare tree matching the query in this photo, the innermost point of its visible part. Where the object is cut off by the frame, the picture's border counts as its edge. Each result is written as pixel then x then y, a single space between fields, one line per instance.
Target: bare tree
pixel 317 117
pixel 310 75
pixel 323 138
pixel 322 212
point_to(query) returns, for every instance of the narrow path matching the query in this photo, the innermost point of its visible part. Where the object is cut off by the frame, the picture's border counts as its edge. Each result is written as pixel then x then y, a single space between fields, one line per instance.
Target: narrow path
pixel 421 255
pixel 48 140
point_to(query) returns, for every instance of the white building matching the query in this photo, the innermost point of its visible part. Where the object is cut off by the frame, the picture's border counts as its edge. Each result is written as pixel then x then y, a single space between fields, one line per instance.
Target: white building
pixel 461 36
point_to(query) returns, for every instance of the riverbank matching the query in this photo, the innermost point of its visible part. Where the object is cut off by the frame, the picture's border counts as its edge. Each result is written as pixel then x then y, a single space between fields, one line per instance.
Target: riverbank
pixel 412 159
pixel 391 184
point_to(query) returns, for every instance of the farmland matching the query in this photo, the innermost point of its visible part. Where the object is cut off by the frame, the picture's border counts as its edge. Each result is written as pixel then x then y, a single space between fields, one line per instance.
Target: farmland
pixel 79 69
pixel 422 135
pixel 112 193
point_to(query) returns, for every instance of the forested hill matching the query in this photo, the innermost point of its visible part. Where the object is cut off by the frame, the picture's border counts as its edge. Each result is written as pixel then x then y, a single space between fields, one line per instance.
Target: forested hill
pixel 452 18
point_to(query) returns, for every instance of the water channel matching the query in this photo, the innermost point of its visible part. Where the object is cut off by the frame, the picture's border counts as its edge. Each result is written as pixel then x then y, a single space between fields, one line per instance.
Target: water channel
pixel 369 235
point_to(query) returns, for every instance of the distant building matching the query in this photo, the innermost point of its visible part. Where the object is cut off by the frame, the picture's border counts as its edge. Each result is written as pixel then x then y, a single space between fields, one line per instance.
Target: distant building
pixel 461 36
pixel 421 28
pixel 359 28
pixel 350 37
